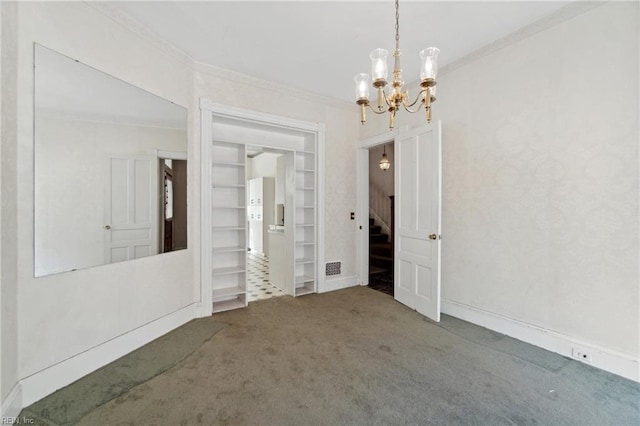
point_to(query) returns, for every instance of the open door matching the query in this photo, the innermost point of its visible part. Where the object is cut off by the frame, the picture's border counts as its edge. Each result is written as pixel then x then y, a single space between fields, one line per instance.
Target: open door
pixel 418 177
pixel 131 215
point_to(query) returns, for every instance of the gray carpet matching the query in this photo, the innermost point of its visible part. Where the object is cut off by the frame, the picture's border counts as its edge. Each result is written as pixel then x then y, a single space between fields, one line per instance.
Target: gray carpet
pixel 71 403
pixel 357 357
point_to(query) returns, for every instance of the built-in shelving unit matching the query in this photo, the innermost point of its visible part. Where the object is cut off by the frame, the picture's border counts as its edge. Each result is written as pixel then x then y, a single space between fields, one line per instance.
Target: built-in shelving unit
pixel 228 218
pixel 305 220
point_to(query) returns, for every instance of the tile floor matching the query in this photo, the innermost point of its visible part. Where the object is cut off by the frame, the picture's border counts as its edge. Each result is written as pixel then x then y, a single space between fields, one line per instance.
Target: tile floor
pixel 259 287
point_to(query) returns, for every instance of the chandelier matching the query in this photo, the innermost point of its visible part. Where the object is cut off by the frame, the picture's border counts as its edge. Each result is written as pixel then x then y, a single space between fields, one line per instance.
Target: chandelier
pixel 394 97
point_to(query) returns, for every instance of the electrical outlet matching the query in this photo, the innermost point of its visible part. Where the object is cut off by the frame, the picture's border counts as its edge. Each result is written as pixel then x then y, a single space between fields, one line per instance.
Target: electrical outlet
pixel 581 354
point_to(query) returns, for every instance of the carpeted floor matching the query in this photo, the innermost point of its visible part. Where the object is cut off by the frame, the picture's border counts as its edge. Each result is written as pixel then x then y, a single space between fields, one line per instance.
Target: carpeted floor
pixel 69 404
pixel 357 357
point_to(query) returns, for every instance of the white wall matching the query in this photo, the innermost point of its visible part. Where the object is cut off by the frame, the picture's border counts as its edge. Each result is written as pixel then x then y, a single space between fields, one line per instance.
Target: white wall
pixel 71 179
pixel 540 179
pixel 67 314
pixel 9 389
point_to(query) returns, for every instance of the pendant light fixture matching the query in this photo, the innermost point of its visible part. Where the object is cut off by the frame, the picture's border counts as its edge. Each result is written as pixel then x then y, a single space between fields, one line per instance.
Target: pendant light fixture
pixel 393 97
pixel 384 161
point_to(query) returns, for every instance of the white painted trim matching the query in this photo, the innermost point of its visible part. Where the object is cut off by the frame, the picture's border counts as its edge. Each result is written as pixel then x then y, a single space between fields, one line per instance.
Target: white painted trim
pixel 561 15
pixel 320 207
pixel 381 139
pixel 12 404
pixel 206 285
pixel 332 284
pixel 121 18
pixel 47 381
pixel 603 358
pixel 210 111
pixel 172 155
pixel 275 87
pixel 250 116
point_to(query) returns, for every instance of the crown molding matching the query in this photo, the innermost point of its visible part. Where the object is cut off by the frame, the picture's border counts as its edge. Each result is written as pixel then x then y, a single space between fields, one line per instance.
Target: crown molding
pixel 118 16
pixel 563 14
pixel 280 88
pixel 121 18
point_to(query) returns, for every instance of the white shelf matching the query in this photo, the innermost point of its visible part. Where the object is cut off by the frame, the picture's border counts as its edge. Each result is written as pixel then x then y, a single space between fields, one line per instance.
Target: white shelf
pixel 305 260
pixel 228 305
pixel 229 270
pixel 305 152
pixel 305 224
pixel 305 207
pixel 304 243
pixel 228 214
pixel 228 249
pixel 304 279
pixel 226 292
pixel 221 164
pixel 224 185
pixel 305 170
pixel 305 188
pixel 307 289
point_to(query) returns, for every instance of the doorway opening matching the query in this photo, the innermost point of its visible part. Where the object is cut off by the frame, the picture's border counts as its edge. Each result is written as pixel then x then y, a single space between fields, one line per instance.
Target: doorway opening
pixel 266 180
pixel 381 218
pixel 173 211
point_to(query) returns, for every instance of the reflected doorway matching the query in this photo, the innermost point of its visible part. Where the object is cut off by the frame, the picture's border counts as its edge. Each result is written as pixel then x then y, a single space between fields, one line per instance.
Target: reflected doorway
pixel 173 220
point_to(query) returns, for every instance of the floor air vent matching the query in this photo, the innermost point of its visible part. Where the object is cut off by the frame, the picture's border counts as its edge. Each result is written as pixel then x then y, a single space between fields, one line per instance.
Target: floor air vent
pixel 333 268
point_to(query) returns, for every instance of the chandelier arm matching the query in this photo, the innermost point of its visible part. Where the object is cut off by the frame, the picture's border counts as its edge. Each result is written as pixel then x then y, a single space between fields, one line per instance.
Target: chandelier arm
pixel 375 111
pixel 406 108
pixel 386 99
pixel 418 98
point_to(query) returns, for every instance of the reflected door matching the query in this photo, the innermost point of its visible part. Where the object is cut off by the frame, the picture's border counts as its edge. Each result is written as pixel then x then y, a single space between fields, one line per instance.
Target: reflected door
pixel 417 213
pixel 131 229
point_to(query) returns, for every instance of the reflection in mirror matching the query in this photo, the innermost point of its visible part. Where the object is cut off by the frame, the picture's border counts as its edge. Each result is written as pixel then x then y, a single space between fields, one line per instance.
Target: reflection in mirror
pixel 110 168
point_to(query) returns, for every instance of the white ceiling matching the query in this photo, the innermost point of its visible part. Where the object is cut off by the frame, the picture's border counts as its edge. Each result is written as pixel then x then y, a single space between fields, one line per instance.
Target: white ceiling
pixel 320 46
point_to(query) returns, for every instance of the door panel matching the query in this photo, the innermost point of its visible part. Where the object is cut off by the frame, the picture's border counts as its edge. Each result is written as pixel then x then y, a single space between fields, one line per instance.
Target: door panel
pixel 131 215
pixel 417 255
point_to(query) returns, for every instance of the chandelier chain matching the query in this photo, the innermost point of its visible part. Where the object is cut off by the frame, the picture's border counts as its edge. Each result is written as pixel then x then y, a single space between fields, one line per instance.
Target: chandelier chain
pixel 397 25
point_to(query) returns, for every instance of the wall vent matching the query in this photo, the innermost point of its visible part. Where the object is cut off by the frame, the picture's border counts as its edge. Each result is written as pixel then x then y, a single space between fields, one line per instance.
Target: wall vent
pixel 333 268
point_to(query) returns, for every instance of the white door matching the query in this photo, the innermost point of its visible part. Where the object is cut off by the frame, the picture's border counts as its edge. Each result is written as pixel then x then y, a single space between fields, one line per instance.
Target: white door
pixel 417 220
pixel 132 208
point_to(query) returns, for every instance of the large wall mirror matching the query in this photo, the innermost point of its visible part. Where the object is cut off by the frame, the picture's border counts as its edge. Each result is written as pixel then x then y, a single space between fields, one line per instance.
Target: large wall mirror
pixel 110 168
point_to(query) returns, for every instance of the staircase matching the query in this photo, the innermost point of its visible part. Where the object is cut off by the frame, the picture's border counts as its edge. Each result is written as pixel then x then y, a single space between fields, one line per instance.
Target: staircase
pixel 380 259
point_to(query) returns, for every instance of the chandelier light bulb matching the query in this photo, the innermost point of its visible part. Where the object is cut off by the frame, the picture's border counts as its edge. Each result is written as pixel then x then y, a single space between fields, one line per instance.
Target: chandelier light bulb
pixel 429 59
pixel 379 70
pixel 362 86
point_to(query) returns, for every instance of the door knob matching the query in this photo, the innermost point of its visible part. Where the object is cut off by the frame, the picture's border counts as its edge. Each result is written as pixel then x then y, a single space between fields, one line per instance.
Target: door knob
pixel 107 227
pixel 433 237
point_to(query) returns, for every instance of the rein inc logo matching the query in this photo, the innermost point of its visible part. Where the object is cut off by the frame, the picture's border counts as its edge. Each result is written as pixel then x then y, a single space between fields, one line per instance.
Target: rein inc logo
pixel 16 421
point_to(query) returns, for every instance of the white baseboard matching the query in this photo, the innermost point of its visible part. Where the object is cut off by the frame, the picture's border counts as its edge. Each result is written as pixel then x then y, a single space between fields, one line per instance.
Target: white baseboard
pixel 12 404
pixel 332 284
pixel 605 359
pixel 47 381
